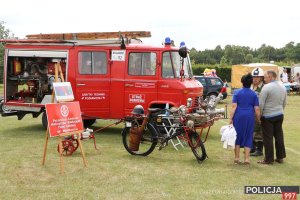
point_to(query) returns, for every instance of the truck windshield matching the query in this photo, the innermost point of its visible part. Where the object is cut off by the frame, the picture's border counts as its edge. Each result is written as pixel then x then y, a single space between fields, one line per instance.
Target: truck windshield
pixel 172 64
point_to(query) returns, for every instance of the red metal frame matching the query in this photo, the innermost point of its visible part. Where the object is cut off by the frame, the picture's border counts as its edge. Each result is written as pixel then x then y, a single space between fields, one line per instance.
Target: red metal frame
pixel 187 131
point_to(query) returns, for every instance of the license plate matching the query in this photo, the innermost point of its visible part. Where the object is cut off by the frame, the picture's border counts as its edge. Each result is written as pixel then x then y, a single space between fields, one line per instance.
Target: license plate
pixel 127 124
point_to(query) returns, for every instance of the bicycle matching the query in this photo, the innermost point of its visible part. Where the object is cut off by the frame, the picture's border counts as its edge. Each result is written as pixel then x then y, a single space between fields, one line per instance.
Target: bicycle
pixel 142 133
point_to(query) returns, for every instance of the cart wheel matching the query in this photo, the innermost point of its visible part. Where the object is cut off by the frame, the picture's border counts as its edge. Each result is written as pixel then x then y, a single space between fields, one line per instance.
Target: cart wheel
pixel 68 147
pixel 197 146
pixel 75 144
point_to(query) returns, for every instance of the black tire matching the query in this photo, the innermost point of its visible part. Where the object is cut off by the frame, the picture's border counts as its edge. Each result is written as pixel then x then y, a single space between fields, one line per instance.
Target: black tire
pixel 1 106
pixel 45 120
pixel 88 122
pixel 148 141
pixel 197 147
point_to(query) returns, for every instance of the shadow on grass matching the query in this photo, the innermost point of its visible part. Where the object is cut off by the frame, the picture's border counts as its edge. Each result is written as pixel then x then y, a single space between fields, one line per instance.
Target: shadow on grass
pixel 107 131
pixel 165 157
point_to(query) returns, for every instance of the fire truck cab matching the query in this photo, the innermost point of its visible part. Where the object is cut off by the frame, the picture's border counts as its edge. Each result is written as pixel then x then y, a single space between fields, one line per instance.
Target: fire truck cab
pixel 108 76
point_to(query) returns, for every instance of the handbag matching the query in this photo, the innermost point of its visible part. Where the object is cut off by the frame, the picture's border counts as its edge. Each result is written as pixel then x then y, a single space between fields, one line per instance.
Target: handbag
pixel 228 136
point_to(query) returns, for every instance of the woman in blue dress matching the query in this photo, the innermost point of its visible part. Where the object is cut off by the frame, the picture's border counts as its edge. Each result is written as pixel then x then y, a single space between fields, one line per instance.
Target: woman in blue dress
pixel 244 108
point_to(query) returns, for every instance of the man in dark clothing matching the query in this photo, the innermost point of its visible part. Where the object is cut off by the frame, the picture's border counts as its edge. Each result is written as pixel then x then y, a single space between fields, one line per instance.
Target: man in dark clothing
pixel 272 101
pixel 257 85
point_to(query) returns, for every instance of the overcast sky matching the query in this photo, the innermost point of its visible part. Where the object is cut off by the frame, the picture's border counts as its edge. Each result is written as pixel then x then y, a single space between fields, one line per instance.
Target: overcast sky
pixel 201 24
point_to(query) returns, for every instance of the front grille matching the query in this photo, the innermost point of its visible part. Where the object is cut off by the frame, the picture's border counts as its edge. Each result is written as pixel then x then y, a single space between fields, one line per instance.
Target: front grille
pixel 196 102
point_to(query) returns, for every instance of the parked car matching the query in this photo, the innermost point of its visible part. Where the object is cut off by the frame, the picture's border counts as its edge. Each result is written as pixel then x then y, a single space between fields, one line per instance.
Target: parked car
pixel 212 86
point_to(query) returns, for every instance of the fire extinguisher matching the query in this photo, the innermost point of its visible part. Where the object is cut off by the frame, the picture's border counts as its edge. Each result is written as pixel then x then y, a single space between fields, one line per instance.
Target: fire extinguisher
pixel 17 66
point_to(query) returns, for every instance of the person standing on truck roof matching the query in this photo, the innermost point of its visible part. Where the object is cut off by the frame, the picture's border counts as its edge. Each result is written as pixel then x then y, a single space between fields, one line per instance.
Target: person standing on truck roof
pixel 257 85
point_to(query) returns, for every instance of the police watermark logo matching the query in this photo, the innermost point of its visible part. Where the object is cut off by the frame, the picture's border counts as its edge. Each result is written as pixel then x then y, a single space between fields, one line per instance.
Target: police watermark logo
pixel 64 110
pixel 287 192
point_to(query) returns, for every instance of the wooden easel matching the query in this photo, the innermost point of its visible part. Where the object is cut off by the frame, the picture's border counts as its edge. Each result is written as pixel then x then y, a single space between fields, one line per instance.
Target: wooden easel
pixel 58 71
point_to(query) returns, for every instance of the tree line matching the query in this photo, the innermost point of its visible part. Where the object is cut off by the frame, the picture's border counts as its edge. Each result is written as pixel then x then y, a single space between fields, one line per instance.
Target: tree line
pixel 235 54
pixel 4 34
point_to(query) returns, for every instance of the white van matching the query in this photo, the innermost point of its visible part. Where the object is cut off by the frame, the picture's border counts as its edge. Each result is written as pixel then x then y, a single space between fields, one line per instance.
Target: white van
pixel 295 70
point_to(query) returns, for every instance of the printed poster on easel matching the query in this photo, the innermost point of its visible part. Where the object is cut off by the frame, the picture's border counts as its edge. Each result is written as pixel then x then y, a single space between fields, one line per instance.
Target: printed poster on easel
pixel 63 91
pixel 64 118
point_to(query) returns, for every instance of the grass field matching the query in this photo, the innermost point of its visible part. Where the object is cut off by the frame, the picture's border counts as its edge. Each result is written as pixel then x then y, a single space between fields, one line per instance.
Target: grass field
pixel 1 89
pixel 114 174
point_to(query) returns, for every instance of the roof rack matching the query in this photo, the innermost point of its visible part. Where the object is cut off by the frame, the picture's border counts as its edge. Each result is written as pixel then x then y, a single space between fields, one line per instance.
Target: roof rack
pixel 46 41
pixel 91 35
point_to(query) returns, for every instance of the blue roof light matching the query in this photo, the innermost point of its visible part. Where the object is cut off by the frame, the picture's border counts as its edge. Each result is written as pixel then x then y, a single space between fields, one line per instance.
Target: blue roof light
pixel 167 41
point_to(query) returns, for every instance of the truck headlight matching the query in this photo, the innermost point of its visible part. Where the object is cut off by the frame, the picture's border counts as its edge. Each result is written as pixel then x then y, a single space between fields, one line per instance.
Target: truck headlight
pixel 189 102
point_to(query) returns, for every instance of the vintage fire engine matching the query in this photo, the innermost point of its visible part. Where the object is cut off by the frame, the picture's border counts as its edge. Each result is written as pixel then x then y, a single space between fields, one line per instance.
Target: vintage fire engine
pixel 110 73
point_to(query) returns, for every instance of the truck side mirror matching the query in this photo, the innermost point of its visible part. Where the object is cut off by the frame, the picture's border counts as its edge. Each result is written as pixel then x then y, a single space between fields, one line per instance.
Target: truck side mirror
pixel 183 51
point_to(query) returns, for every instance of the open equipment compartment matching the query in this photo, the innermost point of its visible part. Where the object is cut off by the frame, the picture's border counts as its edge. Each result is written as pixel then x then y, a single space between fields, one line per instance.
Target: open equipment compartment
pixel 30 74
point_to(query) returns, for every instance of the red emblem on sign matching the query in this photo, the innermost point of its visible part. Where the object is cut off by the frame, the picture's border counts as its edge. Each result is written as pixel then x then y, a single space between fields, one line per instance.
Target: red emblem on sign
pixel 64 110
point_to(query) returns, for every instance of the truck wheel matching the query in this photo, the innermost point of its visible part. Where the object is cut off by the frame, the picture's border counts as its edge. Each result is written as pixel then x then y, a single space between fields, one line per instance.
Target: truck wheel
pixel 88 122
pixel 1 106
pixel 45 120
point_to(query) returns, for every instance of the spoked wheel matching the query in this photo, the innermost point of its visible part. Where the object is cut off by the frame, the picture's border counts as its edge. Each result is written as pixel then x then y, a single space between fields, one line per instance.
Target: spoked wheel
pixel 146 144
pixel 75 144
pixel 67 148
pixel 197 146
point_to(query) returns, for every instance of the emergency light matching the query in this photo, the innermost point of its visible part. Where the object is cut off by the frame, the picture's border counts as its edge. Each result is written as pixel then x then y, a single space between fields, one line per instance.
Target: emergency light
pixel 167 41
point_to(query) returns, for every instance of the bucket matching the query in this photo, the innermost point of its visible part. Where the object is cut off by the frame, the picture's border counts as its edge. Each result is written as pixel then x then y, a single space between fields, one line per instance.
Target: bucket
pixel 134 138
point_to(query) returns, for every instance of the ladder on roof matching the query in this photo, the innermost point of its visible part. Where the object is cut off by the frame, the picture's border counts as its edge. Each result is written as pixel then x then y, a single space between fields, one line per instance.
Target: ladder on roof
pixel 91 35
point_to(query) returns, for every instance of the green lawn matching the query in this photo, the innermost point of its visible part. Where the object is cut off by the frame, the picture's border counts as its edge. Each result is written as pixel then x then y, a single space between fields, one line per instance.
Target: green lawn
pixel 1 89
pixel 114 174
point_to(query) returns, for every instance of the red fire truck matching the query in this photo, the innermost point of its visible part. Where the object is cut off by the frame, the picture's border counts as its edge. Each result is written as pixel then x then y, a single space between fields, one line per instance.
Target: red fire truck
pixel 109 73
